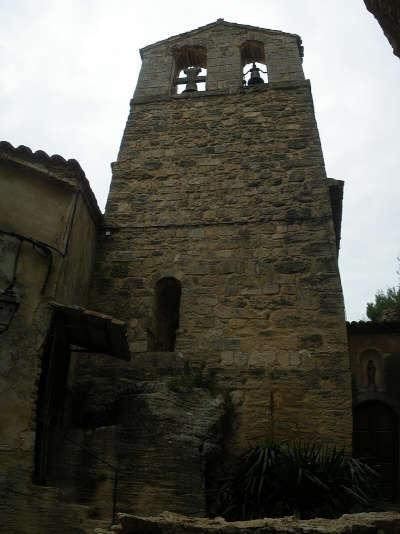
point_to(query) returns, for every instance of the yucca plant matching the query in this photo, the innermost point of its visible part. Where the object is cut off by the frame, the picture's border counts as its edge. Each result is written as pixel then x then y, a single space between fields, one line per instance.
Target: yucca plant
pixel 306 480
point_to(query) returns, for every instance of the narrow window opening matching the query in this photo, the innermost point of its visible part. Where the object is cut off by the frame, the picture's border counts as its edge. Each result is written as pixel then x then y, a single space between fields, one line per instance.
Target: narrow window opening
pixel 167 301
pixel 51 402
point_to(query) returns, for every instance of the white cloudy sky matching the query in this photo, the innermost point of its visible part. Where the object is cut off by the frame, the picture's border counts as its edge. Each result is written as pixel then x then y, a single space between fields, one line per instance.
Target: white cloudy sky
pixel 69 67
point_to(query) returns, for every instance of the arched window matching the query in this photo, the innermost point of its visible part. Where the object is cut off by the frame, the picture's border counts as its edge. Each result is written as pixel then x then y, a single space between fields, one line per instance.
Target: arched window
pixel 253 63
pixel 167 300
pixel 190 69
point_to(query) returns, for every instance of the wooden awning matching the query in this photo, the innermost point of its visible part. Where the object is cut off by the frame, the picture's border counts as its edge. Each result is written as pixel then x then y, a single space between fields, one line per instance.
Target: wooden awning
pixel 93 331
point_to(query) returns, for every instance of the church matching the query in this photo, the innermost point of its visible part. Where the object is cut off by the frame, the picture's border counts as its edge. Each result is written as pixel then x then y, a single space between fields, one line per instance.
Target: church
pixel 144 348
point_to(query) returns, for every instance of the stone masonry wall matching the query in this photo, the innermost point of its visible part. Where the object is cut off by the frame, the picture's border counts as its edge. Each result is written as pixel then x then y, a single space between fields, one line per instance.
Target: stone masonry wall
pixel 228 193
pixel 387 13
pixel 366 523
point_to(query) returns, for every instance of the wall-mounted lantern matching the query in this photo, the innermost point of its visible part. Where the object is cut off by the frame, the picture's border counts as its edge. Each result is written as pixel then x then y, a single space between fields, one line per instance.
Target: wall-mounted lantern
pixel 9 304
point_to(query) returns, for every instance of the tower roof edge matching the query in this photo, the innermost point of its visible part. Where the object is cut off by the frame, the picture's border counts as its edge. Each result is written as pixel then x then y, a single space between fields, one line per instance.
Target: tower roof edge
pixel 220 22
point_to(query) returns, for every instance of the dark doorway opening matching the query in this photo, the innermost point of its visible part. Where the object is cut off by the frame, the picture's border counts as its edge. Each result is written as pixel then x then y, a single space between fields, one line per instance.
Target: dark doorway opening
pixel 375 440
pixel 73 329
pixel 51 401
pixel 167 300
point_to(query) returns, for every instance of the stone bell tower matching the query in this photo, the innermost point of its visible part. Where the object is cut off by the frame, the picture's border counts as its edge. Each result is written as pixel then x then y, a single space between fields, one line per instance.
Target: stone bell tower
pixel 222 230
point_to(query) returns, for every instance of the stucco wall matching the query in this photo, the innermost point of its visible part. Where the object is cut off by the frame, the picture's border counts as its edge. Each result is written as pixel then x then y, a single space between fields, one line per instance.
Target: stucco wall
pixel 54 264
pixel 54 213
pixel 77 266
pixel 34 204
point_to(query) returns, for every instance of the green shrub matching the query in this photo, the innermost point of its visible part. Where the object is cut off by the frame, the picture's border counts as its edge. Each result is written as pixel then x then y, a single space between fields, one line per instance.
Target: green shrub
pixel 306 480
pixel 385 301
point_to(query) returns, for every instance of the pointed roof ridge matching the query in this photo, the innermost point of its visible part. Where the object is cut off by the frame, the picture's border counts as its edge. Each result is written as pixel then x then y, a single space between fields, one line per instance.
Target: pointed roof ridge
pixel 219 22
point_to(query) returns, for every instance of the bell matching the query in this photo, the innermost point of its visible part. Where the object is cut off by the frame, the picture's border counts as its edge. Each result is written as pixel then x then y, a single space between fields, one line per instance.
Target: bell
pixel 255 77
pixel 191 79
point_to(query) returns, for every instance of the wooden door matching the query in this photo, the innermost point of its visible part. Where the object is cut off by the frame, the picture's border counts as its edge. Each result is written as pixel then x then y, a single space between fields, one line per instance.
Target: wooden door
pixel 375 439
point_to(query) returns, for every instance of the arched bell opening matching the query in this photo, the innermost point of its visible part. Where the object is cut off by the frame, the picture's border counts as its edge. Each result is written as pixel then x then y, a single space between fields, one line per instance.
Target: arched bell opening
pixel 254 68
pixel 190 69
pixel 167 300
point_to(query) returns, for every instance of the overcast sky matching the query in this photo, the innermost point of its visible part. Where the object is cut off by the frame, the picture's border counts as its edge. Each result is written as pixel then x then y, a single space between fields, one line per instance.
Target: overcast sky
pixel 69 68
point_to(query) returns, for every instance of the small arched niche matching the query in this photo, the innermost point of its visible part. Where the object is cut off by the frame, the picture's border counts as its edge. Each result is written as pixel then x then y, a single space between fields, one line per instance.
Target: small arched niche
pixel 190 69
pixel 370 374
pixel 167 300
pixel 254 68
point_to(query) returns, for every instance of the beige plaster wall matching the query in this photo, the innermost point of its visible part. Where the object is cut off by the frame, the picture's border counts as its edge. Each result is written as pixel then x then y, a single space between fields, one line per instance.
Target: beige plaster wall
pixel 33 204
pixel 49 210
